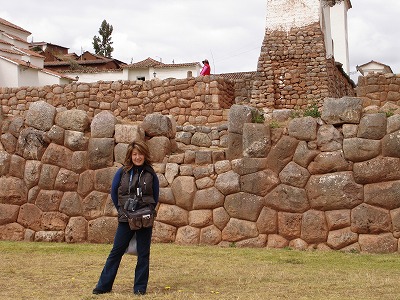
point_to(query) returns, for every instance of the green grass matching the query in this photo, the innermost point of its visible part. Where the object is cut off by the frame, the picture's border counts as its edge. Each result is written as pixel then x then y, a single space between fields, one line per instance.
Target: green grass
pixel 70 271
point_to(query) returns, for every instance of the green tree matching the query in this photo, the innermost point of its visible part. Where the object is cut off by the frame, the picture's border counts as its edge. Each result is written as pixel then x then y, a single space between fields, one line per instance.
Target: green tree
pixel 102 44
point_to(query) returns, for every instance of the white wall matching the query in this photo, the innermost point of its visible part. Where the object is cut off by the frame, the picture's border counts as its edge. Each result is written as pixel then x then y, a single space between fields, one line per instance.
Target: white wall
pixel 340 35
pixel 98 76
pixel 8 74
pixel 28 76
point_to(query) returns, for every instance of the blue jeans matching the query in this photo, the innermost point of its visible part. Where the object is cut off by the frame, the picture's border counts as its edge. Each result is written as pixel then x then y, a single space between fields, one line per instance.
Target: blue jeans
pixel 121 242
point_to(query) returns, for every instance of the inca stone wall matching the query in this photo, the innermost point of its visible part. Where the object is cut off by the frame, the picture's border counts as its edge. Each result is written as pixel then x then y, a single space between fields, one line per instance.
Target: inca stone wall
pixel 309 183
pixel 200 100
pixel 294 69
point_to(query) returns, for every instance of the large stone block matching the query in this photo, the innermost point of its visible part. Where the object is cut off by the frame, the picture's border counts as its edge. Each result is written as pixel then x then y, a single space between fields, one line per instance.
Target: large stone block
pixel 102 230
pixel 71 204
pixel 159 125
pixel 329 138
pixel 344 110
pixel 337 219
pixel 31 144
pixel 172 215
pixel 304 129
pixel 100 153
pixel 184 190
pixel 187 235
pixel 66 180
pixel 49 200
pixel 248 165
pixel 256 140
pixel 303 155
pixel 74 119
pixel 289 225
pixel 54 221
pixel 391 144
pixel 76 230
pixel 372 126
pixel 358 149
pixel 210 235
pixel 127 133
pixel 383 194
pixel 370 219
pixel 243 206
pixel 313 227
pixel 12 232
pixel 30 216
pixel 103 125
pixel 282 153
pixel 93 205
pixel 334 191
pixel 329 162
pixel 287 198
pixel 237 230
pixel 8 213
pixel 40 115
pixel 208 199
pixel 57 155
pixel 382 243
pixel 294 175
pixel 13 191
pixel 378 169
pixel 238 116
pixel 163 233
pixel 341 238
pixel 228 183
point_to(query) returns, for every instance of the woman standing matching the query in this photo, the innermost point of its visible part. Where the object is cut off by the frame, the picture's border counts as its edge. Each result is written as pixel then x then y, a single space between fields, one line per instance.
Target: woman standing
pixel 136 177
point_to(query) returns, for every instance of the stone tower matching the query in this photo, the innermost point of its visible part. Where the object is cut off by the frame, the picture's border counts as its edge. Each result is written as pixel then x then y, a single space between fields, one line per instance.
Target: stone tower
pixel 296 65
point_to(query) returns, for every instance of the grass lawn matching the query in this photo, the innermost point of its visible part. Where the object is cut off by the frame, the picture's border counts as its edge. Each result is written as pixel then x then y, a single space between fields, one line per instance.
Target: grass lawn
pixel 70 271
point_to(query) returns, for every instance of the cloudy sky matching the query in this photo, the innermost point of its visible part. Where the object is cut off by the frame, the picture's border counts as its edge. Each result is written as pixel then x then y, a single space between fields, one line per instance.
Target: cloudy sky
pixel 228 33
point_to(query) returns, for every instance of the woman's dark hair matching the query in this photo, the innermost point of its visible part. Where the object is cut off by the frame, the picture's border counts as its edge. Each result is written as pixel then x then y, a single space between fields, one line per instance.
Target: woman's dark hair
pixel 142 148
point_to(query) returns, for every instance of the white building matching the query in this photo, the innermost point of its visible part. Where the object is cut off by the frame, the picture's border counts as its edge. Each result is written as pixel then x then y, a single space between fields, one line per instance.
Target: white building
pixel 20 66
pixel 374 67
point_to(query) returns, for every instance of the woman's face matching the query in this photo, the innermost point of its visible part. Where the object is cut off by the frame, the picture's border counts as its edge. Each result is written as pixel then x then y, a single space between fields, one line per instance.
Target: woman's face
pixel 137 157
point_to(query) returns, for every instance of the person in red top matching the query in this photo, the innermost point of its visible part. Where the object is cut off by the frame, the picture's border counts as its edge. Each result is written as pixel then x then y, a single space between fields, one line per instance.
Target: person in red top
pixel 206 68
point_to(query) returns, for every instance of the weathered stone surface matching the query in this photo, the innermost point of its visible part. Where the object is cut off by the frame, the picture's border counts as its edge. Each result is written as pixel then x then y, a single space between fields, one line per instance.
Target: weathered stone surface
pixel 187 236
pixel 337 219
pixel 377 170
pixel 40 115
pixel 287 198
pixel 391 144
pixel 160 146
pixel 100 153
pixel 220 217
pixel 201 139
pixel 171 171
pixel 184 190
pixel 5 161
pixel 372 126
pixel 238 116
pixel 222 166
pixel 75 140
pixel 32 172
pixel 210 235
pixel 349 130
pixel 103 179
pixel 163 233
pixel 203 171
pixel 102 230
pixel 76 230
pixel 313 227
pixel 166 196
pixel 344 110
pixel 57 155
pixel 48 176
pixel 383 194
pixel 66 180
pixel 329 162
pixel 303 155
pixel 49 200
pixel 127 133
pixel 248 165
pixel 120 151
pixel 235 146
pixel 289 225
pixel 73 119
pixel 243 206
pixel 204 183
pixel 329 138
pixel 259 183
pixel 382 243
pixel 50 236
pixel 30 216
pixel 56 134
pixel 395 215
pixel 103 125
pixel 71 204
pixel 228 183
pixel 86 183
pixel 393 123
pixel 172 215
pixel 203 157
pixel 258 242
pixel 9 142
pixel 17 166
pixel 16 125
pixel 267 221
pixel 93 205
pixel 31 143
pixel 200 218
pixel 334 191
pixel 358 149
pixel 159 125
pixel 54 221
pixel 208 199
pixel 277 241
pixel 370 219
pixel 13 191
pixel 304 129
pixel 256 140
pixel 8 213
pixel 237 230
pixel 282 153
pixel 341 238
pixel 294 175
pixel 12 232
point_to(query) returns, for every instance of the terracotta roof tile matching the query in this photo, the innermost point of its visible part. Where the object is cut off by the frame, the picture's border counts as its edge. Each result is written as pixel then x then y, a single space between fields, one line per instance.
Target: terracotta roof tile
pixel 14 37
pixel 29 52
pixel 5 42
pixel 237 75
pixel 149 62
pixel 9 24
